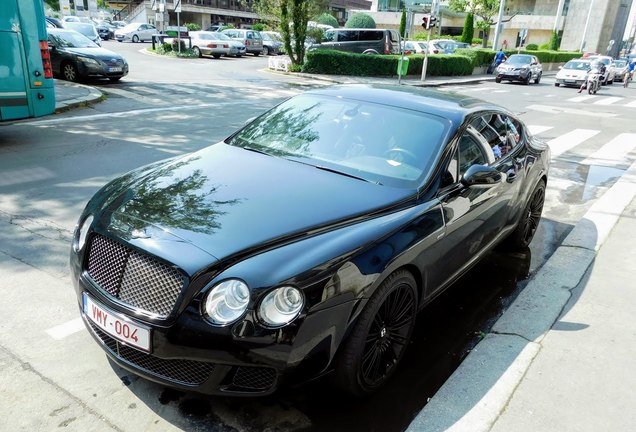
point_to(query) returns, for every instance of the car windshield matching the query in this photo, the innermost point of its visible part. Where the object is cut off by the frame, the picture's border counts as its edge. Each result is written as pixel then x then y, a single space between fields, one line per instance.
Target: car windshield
pixel 224 37
pixel 577 65
pixel 71 39
pixel 83 28
pixel 519 59
pixel 374 142
pixel 131 27
pixel 620 63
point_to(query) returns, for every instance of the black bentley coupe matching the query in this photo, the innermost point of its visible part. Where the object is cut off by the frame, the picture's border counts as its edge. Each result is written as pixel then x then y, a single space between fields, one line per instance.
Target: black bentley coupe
pixel 305 243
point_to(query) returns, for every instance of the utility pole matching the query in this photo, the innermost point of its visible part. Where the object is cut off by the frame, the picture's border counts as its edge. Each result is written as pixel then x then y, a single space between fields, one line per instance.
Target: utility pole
pixel 587 22
pixel 558 15
pixel 499 27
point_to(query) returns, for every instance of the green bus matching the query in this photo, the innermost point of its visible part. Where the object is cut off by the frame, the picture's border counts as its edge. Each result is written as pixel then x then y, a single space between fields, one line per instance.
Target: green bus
pixel 26 76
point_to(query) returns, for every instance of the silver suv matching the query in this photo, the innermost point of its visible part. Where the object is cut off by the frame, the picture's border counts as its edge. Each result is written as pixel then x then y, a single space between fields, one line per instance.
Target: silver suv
pixel 251 39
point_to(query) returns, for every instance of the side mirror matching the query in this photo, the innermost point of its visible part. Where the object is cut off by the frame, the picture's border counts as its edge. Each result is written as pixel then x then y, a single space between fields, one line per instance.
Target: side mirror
pixel 481 175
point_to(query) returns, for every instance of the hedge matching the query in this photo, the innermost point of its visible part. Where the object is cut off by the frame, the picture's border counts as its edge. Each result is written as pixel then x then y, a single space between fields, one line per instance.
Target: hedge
pixel 485 56
pixel 332 62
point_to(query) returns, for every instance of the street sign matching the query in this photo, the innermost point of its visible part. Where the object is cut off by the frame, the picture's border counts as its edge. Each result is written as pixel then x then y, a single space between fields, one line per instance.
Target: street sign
pixel 153 4
pixel 177 6
pixel 158 17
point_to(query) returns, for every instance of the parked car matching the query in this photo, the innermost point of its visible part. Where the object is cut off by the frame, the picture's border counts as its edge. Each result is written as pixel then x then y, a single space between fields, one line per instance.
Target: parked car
pixel 75 57
pixel 250 38
pixel 135 32
pixel 237 48
pixel 608 76
pixel 119 24
pixel 444 46
pixel 364 41
pixel 54 22
pixel 306 242
pixel 105 30
pixel 414 47
pixel 520 67
pixel 620 69
pixel 573 73
pixel 86 29
pixel 272 44
pixel 214 28
pixel 209 44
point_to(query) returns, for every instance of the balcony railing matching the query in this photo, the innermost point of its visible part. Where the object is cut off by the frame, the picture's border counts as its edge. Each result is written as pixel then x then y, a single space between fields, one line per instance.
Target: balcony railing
pixel 235 5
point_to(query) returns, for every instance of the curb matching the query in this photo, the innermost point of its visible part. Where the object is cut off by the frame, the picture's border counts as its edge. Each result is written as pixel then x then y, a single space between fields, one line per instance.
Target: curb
pixel 94 96
pixel 477 392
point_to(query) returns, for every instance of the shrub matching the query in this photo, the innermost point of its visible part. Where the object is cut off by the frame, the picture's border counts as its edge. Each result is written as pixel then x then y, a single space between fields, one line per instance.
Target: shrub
pixel 403 24
pixel 532 47
pixel 555 41
pixel 360 20
pixel 192 26
pixel 478 56
pixel 315 33
pixel 165 47
pixel 343 63
pixel 327 19
pixel 544 47
pixel 469 29
pixel 175 45
pixel 258 27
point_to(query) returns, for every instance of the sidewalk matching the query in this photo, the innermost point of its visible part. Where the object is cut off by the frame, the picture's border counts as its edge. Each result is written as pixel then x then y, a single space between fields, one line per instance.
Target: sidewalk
pixel 561 358
pixel 70 95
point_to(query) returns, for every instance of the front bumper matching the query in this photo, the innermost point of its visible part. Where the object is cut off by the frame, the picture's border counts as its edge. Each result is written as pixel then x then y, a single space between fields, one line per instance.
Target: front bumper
pixel 570 81
pixel 513 75
pixel 102 70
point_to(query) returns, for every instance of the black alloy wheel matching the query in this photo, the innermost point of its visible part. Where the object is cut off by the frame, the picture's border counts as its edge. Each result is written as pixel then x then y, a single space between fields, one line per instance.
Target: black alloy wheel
pixel 526 80
pixel 521 237
pixel 377 344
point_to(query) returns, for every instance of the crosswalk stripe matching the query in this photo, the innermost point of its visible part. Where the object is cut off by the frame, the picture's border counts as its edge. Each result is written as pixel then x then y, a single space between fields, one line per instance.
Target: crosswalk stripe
pixel 632 104
pixel 581 98
pixel 536 129
pixel 570 140
pixel 607 100
pixel 614 152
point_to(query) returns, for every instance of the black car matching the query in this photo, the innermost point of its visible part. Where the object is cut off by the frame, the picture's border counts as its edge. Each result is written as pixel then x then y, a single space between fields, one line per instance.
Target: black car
pixel 106 30
pixel 306 242
pixel 520 67
pixel 75 57
pixel 54 22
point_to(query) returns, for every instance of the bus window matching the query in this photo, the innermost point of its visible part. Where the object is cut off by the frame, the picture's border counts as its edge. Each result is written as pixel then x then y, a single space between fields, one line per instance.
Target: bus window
pixel 26 77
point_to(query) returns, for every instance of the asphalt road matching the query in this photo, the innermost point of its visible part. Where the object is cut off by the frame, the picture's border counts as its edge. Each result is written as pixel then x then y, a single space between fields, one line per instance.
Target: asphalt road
pixel 54 375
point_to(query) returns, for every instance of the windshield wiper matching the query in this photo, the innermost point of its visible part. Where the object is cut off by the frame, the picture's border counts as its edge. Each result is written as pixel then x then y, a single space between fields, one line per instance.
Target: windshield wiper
pixel 255 150
pixel 324 168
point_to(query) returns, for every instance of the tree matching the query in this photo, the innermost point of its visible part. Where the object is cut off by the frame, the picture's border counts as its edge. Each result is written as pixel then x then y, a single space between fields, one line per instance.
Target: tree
pixel 554 41
pixel 258 27
pixel 360 20
pixel 327 19
pixel 403 24
pixel 54 4
pixel 292 17
pixel 469 29
pixel 486 10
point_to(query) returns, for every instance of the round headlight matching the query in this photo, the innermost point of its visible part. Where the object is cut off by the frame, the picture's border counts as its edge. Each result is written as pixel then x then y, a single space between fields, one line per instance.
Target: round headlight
pixel 281 306
pixel 83 232
pixel 227 301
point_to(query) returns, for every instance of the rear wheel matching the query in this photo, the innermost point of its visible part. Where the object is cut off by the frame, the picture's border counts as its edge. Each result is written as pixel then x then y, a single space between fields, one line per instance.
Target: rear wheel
pixel 370 355
pixel 69 72
pixel 521 237
pixel 256 54
pixel 269 51
pixel 197 51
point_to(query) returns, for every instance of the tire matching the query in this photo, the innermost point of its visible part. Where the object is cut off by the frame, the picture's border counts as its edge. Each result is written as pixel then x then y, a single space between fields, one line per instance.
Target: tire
pixel 537 79
pixel 216 56
pixel 498 80
pixel 556 84
pixel 590 89
pixel 521 237
pixel 526 80
pixel 135 38
pixel 610 82
pixel 239 55
pixel 69 72
pixel 256 54
pixel 269 51
pixel 376 345
pixel 197 51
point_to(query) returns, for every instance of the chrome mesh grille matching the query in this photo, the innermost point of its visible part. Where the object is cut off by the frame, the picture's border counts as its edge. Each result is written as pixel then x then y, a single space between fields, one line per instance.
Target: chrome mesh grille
pixel 189 372
pixel 256 378
pixel 134 278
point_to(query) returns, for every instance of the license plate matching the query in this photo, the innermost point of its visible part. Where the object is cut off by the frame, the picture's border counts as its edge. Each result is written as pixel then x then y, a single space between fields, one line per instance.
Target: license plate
pixel 115 69
pixel 117 325
pixel 570 81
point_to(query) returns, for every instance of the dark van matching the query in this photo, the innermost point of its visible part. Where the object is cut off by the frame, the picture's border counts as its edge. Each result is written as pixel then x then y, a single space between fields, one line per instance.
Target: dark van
pixel 365 41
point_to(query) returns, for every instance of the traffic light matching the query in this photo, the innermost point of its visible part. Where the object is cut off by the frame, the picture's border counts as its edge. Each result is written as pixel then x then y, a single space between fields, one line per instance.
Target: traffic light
pixel 432 21
pixel 425 22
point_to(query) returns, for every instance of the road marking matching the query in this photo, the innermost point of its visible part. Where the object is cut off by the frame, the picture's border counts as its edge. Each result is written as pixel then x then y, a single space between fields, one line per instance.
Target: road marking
pixel 632 104
pixel 501 91
pixel 66 329
pixel 607 101
pixel 581 98
pixel 558 110
pixel 570 140
pixel 536 129
pixel 614 152
pixel 136 96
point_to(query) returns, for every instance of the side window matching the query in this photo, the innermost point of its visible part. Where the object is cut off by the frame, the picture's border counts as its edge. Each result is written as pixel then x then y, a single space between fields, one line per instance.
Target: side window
pixel 514 132
pixel 348 36
pixel 394 35
pixel 493 128
pixel 370 35
pixel 250 35
pixel 470 153
pixel 451 176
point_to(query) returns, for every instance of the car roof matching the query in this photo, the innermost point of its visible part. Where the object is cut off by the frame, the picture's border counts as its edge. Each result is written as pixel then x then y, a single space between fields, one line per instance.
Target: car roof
pixel 453 106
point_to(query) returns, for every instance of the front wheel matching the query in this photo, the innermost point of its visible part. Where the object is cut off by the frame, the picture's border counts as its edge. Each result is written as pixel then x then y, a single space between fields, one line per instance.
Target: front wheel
pixel 497 80
pixel 135 39
pixel 526 80
pixel 69 72
pixel 521 237
pixel 537 79
pixel 256 54
pixel 370 355
pixel 556 84
pixel 591 88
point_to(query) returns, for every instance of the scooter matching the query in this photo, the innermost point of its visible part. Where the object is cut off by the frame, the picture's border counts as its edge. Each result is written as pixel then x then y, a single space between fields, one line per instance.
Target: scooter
pixel 593 81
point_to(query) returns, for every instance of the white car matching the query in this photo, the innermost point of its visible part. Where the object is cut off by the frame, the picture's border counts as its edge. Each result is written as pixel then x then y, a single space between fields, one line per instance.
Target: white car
pixel 135 32
pixel 573 73
pixel 209 44
pixel 414 47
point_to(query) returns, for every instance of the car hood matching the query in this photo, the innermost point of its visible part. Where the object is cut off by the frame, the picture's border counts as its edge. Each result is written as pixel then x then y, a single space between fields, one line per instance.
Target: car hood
pixel 227 200
pixel 97 53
